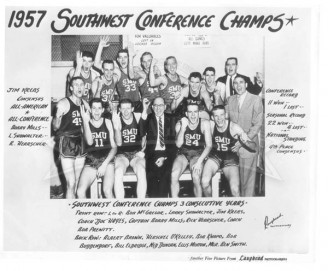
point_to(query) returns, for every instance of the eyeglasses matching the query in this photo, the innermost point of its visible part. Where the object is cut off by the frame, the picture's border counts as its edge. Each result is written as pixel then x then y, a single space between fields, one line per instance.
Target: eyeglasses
pixel 158 106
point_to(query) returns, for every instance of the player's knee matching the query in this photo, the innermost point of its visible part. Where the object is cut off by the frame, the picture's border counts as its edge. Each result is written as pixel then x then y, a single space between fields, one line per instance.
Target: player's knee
pixel 235 190
pixel 81 192
pixel 140 164
pixel 206 180
pixel 175 174
pixel 70 184
pixel 108 193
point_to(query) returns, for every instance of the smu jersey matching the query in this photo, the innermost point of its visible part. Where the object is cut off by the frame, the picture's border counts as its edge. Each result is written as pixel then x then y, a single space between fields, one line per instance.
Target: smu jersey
pixel 127 88
pixel 147 91
pixel 194 139
pixel 167 93
pixel 106 92
pixel 87 95
pixel 223 142
pixel 131 140
pixel 101 141
pixel 195 100
pixel 72 121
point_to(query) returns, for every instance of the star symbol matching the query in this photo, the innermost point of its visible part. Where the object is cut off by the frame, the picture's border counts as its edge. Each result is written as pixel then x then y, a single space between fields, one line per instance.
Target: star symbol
pixel 291 20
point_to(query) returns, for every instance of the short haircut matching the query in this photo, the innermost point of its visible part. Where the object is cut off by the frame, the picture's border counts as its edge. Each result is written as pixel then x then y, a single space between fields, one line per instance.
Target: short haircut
pixel 218 107
pixel 96 100
pixel 107 61
pixel 234 58
pixel 121 51
pixel 195 75
pixel 88 54
pixel 145 54
pixel 189 103
pixel 126 101
pixel 74 79
pixel 239 76
pixel 168 58
pixel 209 69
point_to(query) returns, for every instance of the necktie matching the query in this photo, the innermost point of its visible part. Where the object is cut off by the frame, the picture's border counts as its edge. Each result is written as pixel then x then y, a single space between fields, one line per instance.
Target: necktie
pixel 239 103
pixel 231 88
pixel 161 133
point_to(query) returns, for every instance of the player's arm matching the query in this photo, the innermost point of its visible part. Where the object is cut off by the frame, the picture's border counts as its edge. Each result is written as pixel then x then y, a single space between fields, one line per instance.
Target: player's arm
pixel 117 71
pixel 131 54
pixel 103 42
pixel 117 126
pixel 95 87
pixel 212 124
pixel 153 81
pixel 206 98
pixel 143 143
pixel 144 120
pixel 137 116
pixel 139 74
pixel 62 109
pixel 184 81
pixel 236 131
pixel 243 140
pixel 102 169
pixel 180 129
pixel 157 72
pixel 113 150
pixel 85 114
pixel 143 139
pixel 219 92
pixel 206 129
pixel 175 103
pixel 78 68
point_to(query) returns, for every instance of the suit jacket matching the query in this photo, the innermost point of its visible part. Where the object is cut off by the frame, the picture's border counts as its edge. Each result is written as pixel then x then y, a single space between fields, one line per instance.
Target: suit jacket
pixel 251 88
pixel 148 127
pixel 249 117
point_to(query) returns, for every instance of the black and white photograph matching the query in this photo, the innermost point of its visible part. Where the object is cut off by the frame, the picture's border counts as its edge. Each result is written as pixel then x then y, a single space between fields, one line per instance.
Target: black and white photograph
pixel 154 133
pixel 177 113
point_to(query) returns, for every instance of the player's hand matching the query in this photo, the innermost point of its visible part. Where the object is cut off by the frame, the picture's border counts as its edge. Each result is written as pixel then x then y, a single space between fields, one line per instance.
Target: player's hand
pixel 156 71
pixel 197 168
pixel 243 137
pixel 145 103
pixel 140 154
pixel 117 125
pixel 104 41
pixel 177 94
pixel 101 170
pixel 132 52
pixel 153 63
pixel 85 114
pixel 236 147
pixel 259 79
pixel 184 122
pixel 160 161
pixel 79 59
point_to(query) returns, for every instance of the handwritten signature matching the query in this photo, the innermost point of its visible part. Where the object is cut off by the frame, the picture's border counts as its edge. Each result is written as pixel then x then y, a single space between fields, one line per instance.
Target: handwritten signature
pixel 270 223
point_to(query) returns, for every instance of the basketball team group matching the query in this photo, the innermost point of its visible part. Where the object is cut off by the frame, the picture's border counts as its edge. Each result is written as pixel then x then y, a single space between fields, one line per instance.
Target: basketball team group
pixel 118 116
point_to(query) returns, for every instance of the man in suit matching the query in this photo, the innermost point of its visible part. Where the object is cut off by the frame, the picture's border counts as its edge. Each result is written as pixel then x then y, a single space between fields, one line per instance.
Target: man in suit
pixel 231 67
pixel 246 110
pixel 159 129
